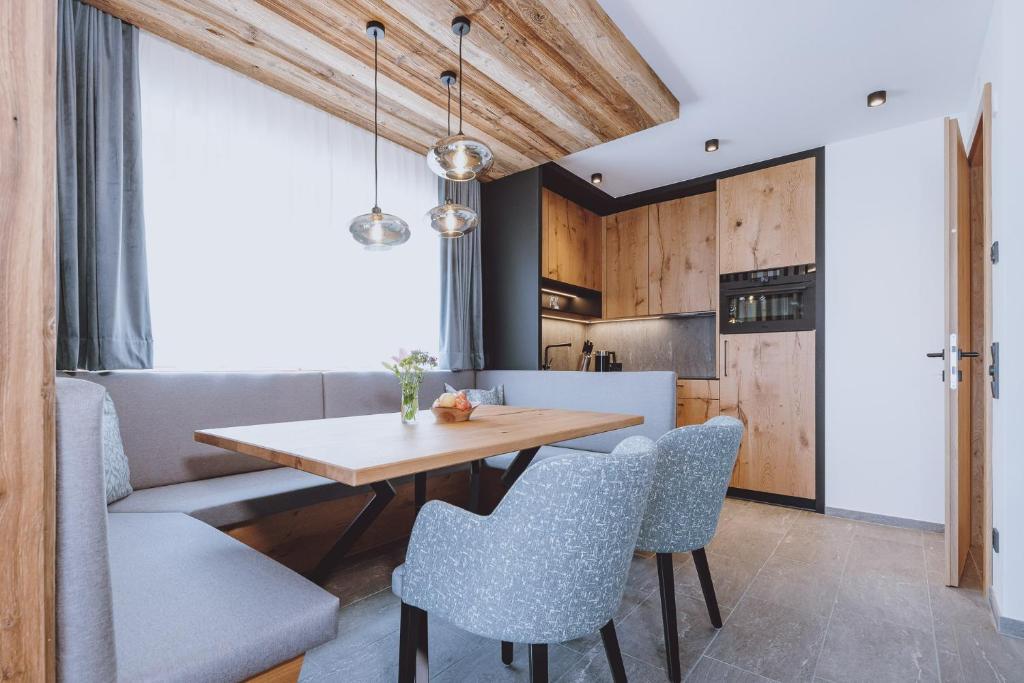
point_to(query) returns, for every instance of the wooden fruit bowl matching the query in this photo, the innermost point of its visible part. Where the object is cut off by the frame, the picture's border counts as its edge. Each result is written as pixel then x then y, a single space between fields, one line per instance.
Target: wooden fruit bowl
pixel 450 415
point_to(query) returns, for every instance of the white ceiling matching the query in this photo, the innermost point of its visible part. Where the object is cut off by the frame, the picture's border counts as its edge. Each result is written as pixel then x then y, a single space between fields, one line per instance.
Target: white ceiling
pixel 772 77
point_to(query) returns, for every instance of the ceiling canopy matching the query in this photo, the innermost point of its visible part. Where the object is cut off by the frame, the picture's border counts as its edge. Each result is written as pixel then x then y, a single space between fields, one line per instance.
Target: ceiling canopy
pixel 543 78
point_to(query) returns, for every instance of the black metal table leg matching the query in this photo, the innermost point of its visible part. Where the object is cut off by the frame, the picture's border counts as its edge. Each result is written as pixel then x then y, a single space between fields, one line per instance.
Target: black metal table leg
pixel 419 483
pixel 522 461
pixel 474 486
pixel 383 492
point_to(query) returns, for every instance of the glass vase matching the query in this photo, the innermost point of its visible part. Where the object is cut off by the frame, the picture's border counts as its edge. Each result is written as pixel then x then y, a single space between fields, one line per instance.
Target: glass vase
pixel 410 401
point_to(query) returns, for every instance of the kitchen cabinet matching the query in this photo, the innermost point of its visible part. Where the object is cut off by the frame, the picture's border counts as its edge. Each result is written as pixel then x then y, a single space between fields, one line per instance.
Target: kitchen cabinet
pixel 697 401
pixel 767 382
pixel 683 256
pixel 626 263
pixel 766 218
pixel 572 242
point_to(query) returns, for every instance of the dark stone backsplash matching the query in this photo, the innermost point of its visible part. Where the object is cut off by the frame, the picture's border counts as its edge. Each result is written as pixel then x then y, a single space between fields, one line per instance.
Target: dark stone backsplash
pixel 685 345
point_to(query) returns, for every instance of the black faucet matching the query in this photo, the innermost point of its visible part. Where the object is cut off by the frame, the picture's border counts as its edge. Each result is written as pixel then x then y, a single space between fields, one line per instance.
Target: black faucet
pixel 547 361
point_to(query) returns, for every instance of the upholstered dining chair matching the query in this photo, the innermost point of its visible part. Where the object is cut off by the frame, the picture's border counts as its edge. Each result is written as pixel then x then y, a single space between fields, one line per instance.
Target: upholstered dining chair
pixel 547 566
pixel 692 471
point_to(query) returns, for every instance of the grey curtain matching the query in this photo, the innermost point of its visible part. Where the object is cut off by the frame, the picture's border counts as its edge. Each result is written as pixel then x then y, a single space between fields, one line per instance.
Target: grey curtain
pixel 103 297
pixel 462 337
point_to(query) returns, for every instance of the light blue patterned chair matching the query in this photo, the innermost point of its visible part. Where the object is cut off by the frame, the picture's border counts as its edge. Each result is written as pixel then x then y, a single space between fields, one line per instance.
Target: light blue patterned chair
pixel 692 473
pixel 547 566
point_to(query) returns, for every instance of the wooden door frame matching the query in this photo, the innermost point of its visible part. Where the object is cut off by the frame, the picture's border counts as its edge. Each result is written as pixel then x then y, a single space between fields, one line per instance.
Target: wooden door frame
pixel 28 57
pixel 983 125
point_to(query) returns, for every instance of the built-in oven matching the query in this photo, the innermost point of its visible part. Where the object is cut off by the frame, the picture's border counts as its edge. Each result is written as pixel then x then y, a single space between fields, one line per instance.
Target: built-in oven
pixel 771 300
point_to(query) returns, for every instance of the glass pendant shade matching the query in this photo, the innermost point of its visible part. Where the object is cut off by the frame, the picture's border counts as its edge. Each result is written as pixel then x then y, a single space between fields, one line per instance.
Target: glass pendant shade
pixel 453 220
pixel 379 231
pixel 459 157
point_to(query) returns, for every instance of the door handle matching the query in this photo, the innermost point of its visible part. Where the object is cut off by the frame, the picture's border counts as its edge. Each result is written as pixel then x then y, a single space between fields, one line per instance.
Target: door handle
pixel 937 354
pixel 725 353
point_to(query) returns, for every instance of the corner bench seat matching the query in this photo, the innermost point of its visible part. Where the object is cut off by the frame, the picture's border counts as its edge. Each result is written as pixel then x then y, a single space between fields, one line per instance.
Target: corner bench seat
pixel 192 604
pixel 236 498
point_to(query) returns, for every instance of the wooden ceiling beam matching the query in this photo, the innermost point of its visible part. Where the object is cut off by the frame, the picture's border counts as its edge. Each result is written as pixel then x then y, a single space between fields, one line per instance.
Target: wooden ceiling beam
pixel 543 78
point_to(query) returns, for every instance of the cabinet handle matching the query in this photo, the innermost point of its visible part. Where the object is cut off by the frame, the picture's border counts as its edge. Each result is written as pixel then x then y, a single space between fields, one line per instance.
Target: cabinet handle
pixel 725 360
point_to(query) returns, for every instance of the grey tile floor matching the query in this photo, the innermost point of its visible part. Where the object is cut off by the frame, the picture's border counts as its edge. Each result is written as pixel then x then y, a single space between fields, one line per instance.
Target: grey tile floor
pixel 804 598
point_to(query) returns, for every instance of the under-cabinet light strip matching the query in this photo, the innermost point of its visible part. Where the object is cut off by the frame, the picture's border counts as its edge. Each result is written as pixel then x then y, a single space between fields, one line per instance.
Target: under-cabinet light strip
pixel 556 292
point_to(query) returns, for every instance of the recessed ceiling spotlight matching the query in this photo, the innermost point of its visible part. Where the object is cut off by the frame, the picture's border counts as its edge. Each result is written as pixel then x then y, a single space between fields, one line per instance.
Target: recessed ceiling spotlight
pixel 596 178
pixel 876 99
pixel 711 145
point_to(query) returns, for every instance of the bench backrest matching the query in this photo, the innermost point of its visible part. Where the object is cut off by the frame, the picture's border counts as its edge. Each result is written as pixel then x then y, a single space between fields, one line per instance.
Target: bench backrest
pixel 366 393
pixel 651 394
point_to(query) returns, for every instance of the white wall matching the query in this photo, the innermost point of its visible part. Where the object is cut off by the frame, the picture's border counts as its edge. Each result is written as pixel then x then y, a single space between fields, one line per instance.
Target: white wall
pixel 1002 64
pixel 884 266
pixel 248 198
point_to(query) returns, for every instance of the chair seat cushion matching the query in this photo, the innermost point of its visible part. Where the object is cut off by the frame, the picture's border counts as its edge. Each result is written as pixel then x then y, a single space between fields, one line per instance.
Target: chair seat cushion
pixel 236 498
pixel 193 604
pixel 503 461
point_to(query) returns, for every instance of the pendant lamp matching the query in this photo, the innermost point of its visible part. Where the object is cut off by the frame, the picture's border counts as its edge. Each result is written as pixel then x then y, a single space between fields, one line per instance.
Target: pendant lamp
pixel 451 219
pixel 459 157
pixel 377 231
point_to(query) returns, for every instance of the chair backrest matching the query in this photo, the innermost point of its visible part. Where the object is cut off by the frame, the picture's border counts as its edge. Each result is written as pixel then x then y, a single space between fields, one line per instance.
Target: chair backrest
pixel 693 468
pixel 569 525
pixel 85 616
pixel 651 394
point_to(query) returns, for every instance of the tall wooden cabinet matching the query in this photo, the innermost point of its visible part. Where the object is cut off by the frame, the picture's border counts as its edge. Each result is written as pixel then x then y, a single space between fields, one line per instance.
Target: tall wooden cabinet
pixel 626 270
pixel 572 243
pixel 766 218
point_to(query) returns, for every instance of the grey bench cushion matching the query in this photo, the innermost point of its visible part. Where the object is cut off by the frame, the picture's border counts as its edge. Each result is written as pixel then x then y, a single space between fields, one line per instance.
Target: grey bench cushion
pixel 651 394
pixel 159 411
pixel 224 501
pixel 503 461
pixel 193 604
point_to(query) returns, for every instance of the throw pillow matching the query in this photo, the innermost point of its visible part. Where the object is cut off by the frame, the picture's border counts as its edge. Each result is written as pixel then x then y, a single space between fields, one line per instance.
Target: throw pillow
pixel 488 397
pixel 115 462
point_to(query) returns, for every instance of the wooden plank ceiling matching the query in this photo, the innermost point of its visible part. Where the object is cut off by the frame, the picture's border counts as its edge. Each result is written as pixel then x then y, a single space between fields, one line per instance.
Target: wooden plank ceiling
pixel 543 78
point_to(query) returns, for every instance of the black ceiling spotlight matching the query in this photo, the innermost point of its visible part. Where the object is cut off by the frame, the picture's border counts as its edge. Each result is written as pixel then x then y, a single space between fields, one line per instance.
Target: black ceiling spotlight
pixel 876 99
pixel 711 145
pixel 596 178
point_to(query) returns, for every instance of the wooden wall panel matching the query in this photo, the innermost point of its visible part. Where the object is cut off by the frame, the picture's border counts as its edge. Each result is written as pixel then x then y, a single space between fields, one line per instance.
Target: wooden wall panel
pixel 766 218
pixel 543 78
pixel 27 355
pixel 683 255
pixel 767 382
pixel 626 254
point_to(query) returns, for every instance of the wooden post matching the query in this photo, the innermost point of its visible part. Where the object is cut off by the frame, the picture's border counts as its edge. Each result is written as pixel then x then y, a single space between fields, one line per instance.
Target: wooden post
pixel 27 285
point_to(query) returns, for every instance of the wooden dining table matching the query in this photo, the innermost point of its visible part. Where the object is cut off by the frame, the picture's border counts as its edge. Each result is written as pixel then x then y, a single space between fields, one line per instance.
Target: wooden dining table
pixel 376 449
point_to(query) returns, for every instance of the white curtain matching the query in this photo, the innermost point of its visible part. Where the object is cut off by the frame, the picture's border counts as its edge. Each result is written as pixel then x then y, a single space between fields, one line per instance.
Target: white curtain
pixel 248 197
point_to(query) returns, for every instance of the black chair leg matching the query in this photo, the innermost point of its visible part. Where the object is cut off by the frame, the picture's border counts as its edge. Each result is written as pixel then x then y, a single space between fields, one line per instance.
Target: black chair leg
pixel 407 645
pixel 667 585
pixel 422 658
pixel 539 663
pixel 700 561
pixel 611 650
pixel 506 652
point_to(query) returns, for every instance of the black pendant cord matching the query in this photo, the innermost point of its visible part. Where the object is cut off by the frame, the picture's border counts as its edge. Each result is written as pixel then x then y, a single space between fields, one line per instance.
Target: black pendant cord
pixel 449 109
pixel 460 84
pixel 376 202
pixel 447 183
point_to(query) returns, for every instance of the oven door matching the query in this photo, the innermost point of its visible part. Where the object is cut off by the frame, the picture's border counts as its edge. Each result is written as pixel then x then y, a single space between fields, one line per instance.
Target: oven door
pixel 766 308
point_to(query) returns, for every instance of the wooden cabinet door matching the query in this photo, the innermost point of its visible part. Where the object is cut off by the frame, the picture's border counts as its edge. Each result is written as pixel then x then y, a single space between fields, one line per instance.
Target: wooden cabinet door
pixel 571 251
pixel 766 218
pixel 767 382
pixel 625 291
pixel 683 269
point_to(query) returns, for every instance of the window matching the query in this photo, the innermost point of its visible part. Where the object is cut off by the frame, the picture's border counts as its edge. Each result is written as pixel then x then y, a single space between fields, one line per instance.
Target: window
pixel 248 195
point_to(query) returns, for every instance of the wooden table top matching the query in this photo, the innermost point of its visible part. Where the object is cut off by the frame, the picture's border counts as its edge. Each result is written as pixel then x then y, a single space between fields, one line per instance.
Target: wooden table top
pixel 368 448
